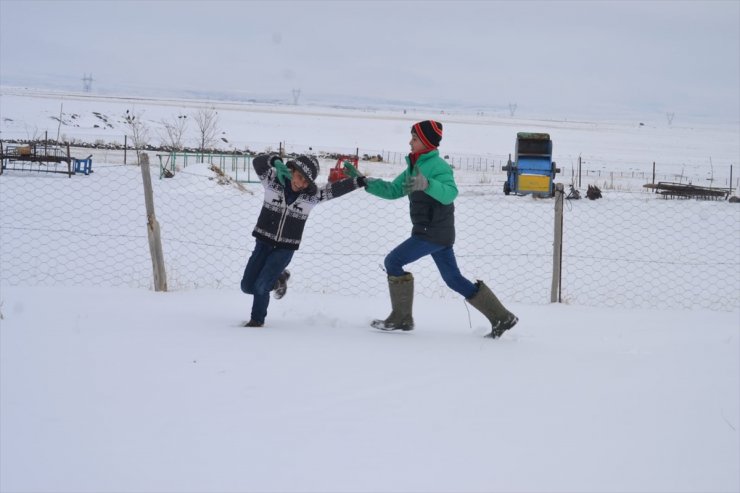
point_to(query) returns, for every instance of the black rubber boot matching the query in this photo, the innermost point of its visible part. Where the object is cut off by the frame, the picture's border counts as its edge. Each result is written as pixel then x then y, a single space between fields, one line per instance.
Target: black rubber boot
pixel 486 302
pixel 402 299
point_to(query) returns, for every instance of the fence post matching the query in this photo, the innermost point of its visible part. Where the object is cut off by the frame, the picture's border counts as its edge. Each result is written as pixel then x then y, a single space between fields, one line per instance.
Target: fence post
pixel 557 245
pixel 69 159
pixel 155 240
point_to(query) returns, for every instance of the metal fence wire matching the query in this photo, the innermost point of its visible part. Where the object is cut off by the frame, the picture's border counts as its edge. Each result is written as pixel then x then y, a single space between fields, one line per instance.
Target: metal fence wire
pixel 627 249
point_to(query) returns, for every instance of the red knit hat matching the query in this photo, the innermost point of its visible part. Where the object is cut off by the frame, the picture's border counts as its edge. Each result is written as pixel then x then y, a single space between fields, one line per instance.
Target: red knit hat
pixel 429 131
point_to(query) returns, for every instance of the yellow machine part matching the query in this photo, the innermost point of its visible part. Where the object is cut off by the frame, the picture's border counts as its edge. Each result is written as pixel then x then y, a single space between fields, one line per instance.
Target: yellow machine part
pixel 534 183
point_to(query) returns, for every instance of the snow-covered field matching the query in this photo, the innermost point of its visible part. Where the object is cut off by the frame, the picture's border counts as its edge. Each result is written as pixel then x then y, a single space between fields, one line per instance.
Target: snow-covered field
pixel 691 150
pixel 106 387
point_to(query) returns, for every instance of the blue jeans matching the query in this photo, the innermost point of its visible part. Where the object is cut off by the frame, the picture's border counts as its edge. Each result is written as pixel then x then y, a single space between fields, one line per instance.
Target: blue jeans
pixel 264 266
pixel 414 248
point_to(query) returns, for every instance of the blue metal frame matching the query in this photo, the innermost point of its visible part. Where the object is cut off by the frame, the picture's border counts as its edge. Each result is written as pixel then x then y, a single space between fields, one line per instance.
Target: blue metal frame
pixel 533 159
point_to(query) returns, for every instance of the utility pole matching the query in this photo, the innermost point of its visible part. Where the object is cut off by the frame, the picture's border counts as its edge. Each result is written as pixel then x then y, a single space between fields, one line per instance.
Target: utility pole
pixel 87 81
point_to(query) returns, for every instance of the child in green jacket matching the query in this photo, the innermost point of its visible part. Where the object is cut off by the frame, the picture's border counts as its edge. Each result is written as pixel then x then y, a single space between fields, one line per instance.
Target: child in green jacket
pixel 429 183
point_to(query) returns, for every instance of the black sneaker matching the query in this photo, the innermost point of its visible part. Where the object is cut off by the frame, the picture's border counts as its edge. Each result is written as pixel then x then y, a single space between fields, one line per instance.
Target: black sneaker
pixel 281 285
pixel 388 326
pixel 253 323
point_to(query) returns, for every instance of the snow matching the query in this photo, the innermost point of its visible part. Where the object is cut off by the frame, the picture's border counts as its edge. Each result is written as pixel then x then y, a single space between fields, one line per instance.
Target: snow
pixel 112 388
pixel 130 390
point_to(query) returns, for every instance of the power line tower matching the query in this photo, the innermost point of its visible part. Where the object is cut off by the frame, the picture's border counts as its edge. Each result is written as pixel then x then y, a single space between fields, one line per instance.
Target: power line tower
pixel 296 95
pixel 87 82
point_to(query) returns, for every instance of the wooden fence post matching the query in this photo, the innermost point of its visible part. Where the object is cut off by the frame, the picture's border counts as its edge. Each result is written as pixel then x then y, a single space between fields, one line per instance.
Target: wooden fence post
pixel 152 229
pixel 557 245
pixel 730 185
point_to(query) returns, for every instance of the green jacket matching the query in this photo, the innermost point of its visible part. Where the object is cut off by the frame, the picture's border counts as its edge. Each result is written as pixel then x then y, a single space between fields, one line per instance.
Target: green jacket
pixel 432 211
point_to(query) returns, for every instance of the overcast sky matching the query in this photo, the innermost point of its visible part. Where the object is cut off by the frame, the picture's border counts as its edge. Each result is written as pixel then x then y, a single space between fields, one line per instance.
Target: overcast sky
pixel 649 56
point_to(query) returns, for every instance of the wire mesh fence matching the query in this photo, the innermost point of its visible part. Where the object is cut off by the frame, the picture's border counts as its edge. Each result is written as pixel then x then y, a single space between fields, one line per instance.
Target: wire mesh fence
pixel 84 230
pixel 629 249
pixel 642 251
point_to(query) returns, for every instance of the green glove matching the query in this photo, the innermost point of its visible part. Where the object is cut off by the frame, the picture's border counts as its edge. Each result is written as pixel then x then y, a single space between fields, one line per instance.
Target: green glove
pixel 351 171
pixel 282 171
pixel 374 185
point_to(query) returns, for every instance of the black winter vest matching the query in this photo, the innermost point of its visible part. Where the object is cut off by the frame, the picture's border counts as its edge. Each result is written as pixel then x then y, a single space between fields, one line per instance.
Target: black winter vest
pixel 432 220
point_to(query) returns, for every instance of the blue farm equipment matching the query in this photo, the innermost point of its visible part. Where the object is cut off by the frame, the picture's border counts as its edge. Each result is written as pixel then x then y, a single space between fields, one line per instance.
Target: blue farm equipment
pixel 532 170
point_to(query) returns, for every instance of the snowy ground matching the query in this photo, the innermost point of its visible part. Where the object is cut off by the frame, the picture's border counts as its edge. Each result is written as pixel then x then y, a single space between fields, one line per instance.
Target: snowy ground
pixel 125 390
pixel 116 389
